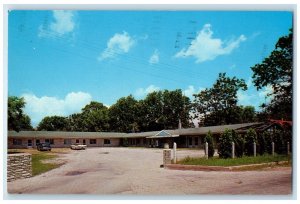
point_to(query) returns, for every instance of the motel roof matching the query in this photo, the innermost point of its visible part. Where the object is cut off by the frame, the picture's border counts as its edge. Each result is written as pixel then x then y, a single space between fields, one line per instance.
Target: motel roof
pixel 62 134
pixel 153 134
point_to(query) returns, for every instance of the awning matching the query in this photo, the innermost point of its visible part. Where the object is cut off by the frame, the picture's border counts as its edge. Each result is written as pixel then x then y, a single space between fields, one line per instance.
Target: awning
pixel 163 134
pixel 154 136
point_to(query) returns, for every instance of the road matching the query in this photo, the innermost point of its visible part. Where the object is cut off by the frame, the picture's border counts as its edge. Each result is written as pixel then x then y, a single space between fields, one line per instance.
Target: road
pixel 136 171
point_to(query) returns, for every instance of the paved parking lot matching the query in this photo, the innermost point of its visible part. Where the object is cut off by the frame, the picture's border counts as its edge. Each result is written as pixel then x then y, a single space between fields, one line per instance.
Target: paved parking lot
pixel 137 171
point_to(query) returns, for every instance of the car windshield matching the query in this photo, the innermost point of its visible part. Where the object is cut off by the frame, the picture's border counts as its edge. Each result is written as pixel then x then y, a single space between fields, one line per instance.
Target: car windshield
pixel 46 145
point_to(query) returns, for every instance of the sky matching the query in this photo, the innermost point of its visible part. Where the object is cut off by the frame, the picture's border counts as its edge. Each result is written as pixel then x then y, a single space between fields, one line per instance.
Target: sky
pixel 60 60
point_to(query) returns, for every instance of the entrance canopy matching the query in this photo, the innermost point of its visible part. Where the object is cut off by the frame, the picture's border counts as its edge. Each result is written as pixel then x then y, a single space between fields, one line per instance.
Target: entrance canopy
pixel 162 134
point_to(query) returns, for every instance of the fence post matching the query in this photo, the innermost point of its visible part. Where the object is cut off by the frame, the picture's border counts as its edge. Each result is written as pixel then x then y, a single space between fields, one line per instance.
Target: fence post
pixel 174 153
pixel 232 150
pixel 206 150
pixel 254 149
pixel 288 148
pixel 273 149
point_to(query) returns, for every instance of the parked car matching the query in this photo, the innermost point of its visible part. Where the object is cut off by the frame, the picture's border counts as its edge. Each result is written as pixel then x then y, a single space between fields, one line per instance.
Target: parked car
pixel 78 147
pixel 43 147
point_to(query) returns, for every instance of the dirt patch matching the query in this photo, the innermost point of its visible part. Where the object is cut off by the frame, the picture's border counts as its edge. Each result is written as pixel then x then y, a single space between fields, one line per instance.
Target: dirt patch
pixel 103 152
pixel 74 173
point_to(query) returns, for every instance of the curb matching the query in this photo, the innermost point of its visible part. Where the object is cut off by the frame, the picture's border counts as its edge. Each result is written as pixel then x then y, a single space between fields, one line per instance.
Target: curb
pixel 217 168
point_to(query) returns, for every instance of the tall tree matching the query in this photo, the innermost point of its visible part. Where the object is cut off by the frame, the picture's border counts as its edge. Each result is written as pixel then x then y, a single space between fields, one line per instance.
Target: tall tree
pixel 277 71
pixel 95 117
pixel 248 114
pixel 218 105
pixel 54 123
pixel 123 115
pixel 17 119
pixel 164 110
pixel 76 122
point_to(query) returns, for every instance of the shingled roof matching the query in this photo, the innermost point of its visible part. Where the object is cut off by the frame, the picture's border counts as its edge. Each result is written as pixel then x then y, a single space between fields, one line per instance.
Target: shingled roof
pixel 153 134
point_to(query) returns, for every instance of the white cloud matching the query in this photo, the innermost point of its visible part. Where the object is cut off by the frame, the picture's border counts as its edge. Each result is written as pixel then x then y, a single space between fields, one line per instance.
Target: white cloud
pixel 39 107
pixel 191 90
pixel 205 47
pixel 154 59
pixel 63 24
pixel 255 34
pixel 118 44
pixel 141 92
pixel 267 90
pixel 232 67
pixel 246 99
pixel 251 97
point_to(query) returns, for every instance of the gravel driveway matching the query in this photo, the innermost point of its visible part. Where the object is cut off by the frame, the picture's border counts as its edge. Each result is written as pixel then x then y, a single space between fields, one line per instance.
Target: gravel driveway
pixel 137 171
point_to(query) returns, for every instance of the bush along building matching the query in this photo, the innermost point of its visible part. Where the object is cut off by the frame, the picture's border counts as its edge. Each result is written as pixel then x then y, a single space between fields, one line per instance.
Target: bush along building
pixel 279 131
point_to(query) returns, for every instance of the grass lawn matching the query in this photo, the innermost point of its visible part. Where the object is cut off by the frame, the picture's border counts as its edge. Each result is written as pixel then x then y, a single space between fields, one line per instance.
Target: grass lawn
pixel 39 167
pixel 38 160
pixel 215 161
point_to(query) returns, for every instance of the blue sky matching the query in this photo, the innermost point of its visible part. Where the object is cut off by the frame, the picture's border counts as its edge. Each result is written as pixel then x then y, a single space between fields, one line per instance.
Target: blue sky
pixel 61 60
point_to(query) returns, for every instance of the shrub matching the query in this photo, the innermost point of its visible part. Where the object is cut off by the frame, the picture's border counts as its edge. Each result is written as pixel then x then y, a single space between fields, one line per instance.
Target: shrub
pixel 225 144
pixel 208 138
pixel 250 138
pixel 239 144
pixel 288 138
pixel 261 144
pixel 268 141
pixel 278 139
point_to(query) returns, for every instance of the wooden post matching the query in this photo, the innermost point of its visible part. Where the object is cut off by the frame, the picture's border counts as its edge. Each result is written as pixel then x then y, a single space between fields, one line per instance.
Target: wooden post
pixel 174 153
pixel 273 149
pixel 232 150
pixel 288 148
pixel 254 149
pixel 206 150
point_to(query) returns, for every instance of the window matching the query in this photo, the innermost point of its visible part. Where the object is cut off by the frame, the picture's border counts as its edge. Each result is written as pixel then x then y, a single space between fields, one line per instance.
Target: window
pixel 17 141
pixel 83 141
pixel 137 141
pixel 50 141
pixel 106 141
pixel 29 143
pixel 37 141
pixel 67 141
pixel 93 141
pixel 77 141
pixel 190 141
pixel 196 140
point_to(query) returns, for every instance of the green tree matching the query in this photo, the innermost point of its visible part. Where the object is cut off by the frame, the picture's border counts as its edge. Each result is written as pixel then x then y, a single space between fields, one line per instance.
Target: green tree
pixel 76 122
pixel 239 143
pixel 123 115
pixel 279 141
pixel 95 117
pixel 17 119
pixel 225 144
pixel 218 105
pixel 277 71
pixel 268 141
pixel 54 123
pixel 261 144
pixel 164 109
pixel 208 138
pixel 248 114
pixel 250 138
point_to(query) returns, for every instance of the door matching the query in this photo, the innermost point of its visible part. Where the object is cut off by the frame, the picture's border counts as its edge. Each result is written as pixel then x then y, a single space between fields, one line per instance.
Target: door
pixel 29 143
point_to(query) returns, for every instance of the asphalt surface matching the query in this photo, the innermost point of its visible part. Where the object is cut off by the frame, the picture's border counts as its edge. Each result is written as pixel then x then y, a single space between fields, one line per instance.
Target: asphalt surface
pixel 136 171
